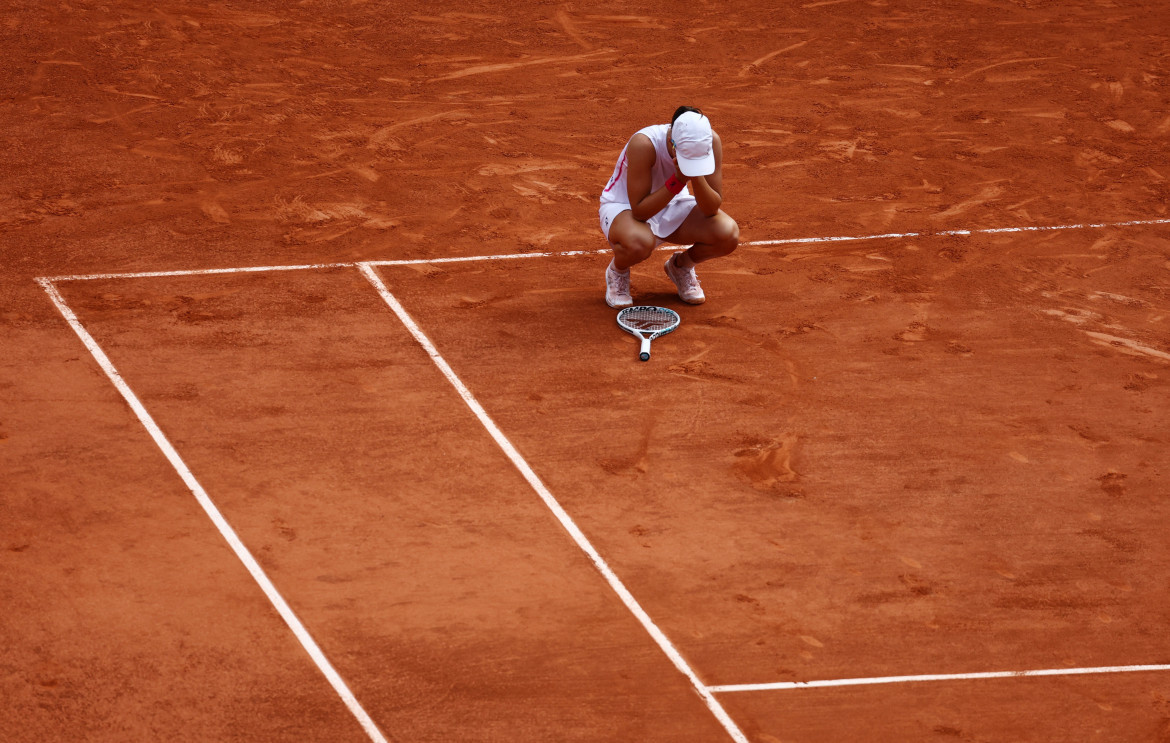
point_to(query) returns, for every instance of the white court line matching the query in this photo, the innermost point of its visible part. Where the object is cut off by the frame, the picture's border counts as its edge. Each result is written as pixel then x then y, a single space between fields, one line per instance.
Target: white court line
pixel 515 256
pixel 225 529
pixel 365 267
pixel 963 233
pixel 562 516
pixel 932 677
pixel 192 272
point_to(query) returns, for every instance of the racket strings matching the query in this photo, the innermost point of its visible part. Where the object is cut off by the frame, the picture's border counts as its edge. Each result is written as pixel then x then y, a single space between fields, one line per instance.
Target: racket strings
pixel 648 318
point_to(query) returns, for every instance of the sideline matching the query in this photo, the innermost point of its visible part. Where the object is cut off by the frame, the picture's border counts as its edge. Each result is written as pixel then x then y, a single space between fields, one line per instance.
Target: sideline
pixel 286 613
pixel 553 505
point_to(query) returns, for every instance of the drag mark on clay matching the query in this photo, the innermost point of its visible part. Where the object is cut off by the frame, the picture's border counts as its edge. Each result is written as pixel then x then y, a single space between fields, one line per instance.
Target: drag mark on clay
pixel 120 117
pixel 155 155
pixel 637 21
pixel 757 63
pixel 379 136
pixel 914 333
pixel 215 212
pixel 1127 346
pixel 824 3
pixel 528 166
pixel 112 89
pixel 570 29
pixel 1000 64
pixel 697 370
pixel 504 66
pixel 1119 299
pixel 1082 317
pixel 767 464
pixel 990 193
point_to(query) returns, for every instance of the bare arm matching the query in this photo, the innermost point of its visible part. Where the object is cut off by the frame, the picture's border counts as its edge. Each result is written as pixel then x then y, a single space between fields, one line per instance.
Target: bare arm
pixel 708 189
pixel 640 163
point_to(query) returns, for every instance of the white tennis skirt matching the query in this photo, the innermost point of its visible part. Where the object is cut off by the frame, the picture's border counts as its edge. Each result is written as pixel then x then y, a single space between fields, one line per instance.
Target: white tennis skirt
pixel 663 224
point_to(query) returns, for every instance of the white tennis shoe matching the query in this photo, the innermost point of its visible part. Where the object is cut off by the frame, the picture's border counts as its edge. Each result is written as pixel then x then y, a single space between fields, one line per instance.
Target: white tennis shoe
pixel 685 281
pixel 617 288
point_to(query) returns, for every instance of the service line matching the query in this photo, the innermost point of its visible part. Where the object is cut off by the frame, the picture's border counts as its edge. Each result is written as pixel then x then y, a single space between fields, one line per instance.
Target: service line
pixel 964 233
pixel 781 685
pixel 558 254
pixel 213 512
pixel 553 505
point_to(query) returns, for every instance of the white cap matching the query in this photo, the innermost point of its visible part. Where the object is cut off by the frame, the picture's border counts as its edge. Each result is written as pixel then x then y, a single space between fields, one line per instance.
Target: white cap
pixel 692 137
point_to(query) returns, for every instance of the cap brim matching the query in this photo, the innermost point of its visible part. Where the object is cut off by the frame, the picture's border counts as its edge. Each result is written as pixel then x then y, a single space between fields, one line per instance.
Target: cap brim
pixel 701 166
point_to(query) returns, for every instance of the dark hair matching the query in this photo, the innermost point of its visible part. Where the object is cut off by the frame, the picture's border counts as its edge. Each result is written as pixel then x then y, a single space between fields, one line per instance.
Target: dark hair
pixel 684 109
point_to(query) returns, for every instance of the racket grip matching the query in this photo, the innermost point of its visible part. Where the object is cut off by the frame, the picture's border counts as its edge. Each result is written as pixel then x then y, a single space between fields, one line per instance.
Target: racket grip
pixel 644 354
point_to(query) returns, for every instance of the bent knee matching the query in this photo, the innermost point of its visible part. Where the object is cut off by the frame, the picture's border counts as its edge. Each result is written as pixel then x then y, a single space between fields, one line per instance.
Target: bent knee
pixel 727 233
pixel 638 247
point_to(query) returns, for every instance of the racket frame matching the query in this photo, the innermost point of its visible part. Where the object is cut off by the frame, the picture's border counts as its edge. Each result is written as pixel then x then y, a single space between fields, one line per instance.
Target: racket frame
pixel 647 335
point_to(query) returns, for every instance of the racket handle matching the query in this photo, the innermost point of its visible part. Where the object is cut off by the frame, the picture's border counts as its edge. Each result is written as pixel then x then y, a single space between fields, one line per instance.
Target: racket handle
pixel 644 355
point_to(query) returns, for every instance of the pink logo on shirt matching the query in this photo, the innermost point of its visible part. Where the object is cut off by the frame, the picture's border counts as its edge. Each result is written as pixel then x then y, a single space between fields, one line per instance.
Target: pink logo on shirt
pixel 618 176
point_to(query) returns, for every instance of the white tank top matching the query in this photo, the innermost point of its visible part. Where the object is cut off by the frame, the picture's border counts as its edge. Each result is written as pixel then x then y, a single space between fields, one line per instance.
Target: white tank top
pixel 616 190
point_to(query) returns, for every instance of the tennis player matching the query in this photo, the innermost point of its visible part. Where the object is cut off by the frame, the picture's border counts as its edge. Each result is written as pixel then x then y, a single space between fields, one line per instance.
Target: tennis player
pixel 647 202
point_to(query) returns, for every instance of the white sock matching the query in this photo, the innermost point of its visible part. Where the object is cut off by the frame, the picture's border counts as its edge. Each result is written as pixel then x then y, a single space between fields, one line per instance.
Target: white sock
pixel 683 260
pixel 613 267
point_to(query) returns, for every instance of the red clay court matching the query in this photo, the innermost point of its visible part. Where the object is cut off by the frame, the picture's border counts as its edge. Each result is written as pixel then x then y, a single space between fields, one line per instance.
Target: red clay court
pixel 314 423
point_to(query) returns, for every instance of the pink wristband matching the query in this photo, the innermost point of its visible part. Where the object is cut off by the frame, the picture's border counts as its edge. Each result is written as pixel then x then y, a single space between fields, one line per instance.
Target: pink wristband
pixel 675 185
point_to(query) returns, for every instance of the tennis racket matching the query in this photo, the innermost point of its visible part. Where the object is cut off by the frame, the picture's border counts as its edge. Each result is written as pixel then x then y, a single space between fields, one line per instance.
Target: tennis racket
pixel 647 323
